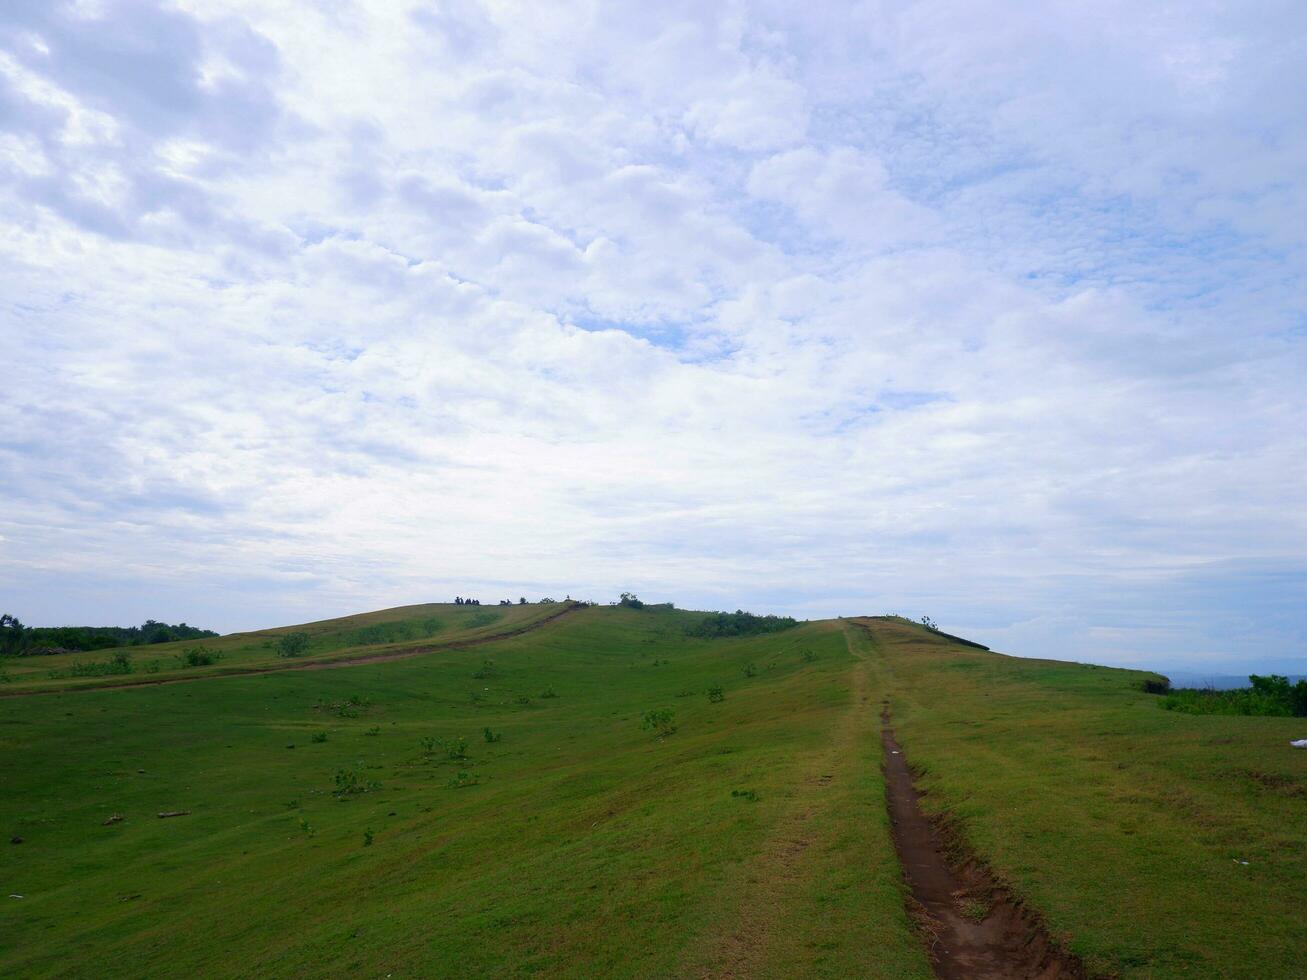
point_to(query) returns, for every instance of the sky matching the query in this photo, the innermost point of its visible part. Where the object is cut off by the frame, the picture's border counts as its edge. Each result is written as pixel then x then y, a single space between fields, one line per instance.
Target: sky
pixel 990 312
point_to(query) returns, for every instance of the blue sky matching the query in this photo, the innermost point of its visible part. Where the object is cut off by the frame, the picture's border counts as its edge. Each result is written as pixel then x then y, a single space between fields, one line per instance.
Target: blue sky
pixel 994 313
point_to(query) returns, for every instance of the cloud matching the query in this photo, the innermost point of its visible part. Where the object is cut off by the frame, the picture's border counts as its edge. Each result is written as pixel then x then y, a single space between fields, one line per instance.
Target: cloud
pixel 924 307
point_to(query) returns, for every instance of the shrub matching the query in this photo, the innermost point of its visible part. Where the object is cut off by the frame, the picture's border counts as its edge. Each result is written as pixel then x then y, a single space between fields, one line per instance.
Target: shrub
pixel 292 644
pixel 349 783
pixel 463 778
pixel 428 743
pixel 630 601
pixel 120 663
pixel 548 693
pixel 1272 695
pixel 738 623
pixel 808 656
pixel 454 748
pixel 750 670
pixel 486 670
pixel 367 837
pixel 318 737
pixel 715 694
pixel 660 720
pixel 197 657
pixel 521 699
pixel 1155 685
pixel 745 794
pixel 374 730
pixel 491 736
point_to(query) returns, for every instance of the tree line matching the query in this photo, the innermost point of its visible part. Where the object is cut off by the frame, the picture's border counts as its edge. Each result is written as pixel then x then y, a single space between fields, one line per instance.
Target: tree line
pixel 16 639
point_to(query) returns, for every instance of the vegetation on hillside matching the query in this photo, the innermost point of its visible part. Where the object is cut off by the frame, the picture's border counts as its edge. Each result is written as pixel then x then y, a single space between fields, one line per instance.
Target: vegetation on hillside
pixel 19 640
pixel 1271 696
pixel 738 623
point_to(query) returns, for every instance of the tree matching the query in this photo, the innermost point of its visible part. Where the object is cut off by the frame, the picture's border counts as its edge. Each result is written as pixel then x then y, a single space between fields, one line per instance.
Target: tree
pixel 11 633
pixel 522 601
pixel 630 600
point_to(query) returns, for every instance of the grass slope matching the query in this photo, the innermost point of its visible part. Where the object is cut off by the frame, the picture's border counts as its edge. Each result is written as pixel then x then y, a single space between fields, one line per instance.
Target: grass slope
pixel 386 630
pixel 1125 824
pixel 586 846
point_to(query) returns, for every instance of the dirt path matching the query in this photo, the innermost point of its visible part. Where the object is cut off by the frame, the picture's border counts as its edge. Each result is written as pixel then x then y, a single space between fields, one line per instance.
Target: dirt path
pixel 974 930
pixel 366 658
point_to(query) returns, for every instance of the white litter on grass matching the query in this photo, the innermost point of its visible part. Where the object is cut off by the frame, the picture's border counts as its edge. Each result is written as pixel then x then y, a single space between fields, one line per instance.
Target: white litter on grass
pixel 1300 743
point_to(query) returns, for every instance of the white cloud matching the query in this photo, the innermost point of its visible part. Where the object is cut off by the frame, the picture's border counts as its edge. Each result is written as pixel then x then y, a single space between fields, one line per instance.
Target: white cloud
pixel 914 306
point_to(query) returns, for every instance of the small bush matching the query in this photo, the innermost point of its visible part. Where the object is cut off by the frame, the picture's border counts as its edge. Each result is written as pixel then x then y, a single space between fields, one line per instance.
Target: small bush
pixel 367 837
pixel 374 730
pixel 491 736
pixel 808 656
pixel 318 737
pixel 428 743
pixel 630 601
pixel 197 657
pixel 660 720
pixel 454 748
pixel 548 693
pixel 750 670
pixel 463 778
pixel 292 644
pixel 521 699
pixel 686 693
pixel 716 695
pixel 745 794
pixel 349 783
pixel 120 663
pixel 1155 685
pixel 485 671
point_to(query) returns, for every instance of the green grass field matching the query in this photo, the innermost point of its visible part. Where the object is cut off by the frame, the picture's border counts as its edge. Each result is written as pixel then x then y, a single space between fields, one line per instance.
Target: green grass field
pixel 330 832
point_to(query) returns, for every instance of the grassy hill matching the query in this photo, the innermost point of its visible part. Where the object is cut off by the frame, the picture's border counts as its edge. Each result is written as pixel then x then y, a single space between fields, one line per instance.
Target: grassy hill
pixel 515 800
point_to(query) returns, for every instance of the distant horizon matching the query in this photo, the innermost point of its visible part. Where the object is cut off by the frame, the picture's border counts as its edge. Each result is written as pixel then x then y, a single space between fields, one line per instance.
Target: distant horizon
pixel 1217 671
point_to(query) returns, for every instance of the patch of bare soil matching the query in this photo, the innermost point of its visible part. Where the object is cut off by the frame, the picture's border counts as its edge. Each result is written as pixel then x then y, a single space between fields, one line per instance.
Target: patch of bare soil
pixel 973 928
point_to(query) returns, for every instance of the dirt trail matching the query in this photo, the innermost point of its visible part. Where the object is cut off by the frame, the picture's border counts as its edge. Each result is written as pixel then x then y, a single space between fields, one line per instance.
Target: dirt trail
pixel 365 658
pixel 974 929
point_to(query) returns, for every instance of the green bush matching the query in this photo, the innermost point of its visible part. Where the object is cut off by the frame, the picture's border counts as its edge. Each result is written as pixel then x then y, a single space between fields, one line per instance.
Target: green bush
pixel 491 736
pixel 1272 695
pixel 738 623
pixel 292 644
pixel 349 783
pixel 715 694
pixel 660 720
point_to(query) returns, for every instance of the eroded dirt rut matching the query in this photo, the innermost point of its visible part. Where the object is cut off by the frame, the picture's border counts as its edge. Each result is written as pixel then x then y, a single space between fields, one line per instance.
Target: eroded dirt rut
pixel 972 928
